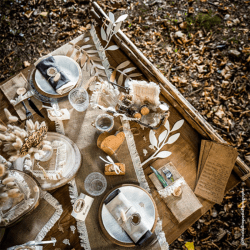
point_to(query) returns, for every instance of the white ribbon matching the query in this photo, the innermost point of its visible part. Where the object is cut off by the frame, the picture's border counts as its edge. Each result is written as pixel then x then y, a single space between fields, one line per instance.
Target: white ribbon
pixel 115 167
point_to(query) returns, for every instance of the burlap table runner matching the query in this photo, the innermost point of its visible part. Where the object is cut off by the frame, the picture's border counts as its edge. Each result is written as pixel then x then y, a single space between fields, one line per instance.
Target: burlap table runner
pixel 35 225
pixel 80 130
pixel 9 89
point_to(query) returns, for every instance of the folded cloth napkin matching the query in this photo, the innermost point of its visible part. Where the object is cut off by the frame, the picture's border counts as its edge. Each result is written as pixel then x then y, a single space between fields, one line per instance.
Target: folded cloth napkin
pixel 54 75
pixel 127 217
pixel 10 88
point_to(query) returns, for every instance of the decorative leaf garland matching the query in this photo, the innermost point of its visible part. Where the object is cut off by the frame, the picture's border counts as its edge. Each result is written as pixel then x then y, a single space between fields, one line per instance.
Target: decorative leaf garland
pixel 112 28
pixel 86 55
pixel 123 73
pixel 163 140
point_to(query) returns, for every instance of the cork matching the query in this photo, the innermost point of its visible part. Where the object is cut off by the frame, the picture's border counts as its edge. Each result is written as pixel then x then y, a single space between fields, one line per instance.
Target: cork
pixel 137 115
pixel 144 110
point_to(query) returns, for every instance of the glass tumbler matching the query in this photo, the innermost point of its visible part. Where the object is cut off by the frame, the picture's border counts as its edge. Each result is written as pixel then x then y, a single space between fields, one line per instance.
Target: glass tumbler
pixel 95 184
pixel 79 99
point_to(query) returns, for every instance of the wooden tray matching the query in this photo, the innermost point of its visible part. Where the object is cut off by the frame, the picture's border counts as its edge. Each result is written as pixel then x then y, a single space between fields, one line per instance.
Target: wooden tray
pixel 185 151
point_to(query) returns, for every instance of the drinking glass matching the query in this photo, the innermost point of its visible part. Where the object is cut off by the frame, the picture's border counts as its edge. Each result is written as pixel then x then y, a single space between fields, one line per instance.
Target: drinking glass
pixel 79 99
pixel 95 184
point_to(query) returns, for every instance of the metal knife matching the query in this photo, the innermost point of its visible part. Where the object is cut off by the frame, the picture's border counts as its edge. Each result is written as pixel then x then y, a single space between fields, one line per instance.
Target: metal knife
pixel 34 107
pixel 159 177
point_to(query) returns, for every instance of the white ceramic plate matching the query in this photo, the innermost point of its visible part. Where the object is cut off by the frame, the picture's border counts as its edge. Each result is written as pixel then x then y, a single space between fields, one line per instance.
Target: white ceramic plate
pixel 141 201
pixel 68 66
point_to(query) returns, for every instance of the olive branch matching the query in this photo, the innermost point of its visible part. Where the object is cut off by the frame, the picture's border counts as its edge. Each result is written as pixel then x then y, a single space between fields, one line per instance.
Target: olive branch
pixel 163 140
pixel 112 28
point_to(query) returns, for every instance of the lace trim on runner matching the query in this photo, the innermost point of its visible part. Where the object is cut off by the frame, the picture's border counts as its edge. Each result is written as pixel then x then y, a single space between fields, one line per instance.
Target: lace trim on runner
pixel 142 179
pixel 161 235
pixel 55 217
pixel 134 155
pixel 81 226
pixel 167 191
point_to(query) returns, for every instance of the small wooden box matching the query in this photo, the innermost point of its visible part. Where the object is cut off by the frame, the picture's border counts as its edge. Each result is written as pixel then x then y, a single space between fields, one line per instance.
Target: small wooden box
pixel 181 206
pixel 108 172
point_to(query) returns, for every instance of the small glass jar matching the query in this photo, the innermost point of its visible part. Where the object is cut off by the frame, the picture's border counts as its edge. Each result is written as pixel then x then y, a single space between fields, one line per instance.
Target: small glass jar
pixel 104 123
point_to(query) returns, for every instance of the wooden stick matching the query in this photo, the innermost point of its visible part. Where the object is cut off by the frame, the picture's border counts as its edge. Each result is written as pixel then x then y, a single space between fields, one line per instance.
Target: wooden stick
pixel 201 125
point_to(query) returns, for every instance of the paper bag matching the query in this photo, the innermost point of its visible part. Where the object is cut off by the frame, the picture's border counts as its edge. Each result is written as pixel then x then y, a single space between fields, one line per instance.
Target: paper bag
pixel 178 196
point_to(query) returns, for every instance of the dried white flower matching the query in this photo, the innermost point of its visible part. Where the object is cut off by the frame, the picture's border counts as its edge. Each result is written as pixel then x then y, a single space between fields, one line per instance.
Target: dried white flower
pixel 145 152
pixel 66 242
pixel 73 228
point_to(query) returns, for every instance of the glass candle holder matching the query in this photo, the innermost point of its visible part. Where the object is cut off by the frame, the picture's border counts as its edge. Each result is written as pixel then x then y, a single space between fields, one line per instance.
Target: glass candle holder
pixel 104 123
pixel 79 99
pixel 48 154
pixel 95 184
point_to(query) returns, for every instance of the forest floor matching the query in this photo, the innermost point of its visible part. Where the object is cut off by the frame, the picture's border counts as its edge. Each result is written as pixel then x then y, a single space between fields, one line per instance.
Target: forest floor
pixel 201 46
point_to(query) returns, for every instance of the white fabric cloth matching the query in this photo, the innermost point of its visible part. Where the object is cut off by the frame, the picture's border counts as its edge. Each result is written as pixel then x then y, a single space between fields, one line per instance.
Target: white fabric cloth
pixel 65 88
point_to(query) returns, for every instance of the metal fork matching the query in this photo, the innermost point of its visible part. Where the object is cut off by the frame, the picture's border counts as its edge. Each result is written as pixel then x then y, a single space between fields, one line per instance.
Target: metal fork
pixel 35 243
pixel 32 243
pixel 168 174
pixel 28 113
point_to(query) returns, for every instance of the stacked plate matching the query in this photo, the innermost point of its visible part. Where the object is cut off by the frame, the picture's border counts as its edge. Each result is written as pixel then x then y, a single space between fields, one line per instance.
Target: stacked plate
pixel 42 88
pixel 144 204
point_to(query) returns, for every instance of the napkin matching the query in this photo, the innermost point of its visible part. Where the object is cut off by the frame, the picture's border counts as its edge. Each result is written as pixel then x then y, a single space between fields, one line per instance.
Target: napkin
pixel 61 86
pixel 9 89
pixel 127 217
